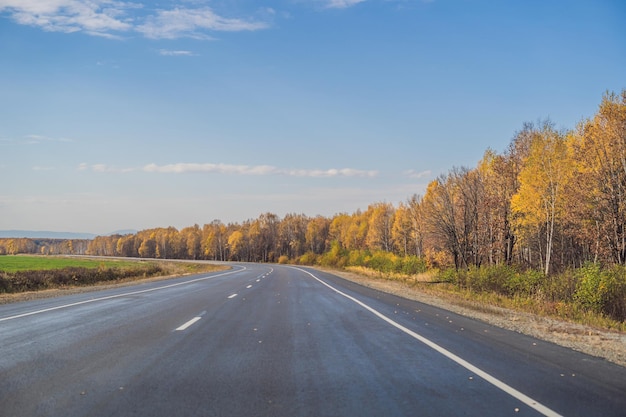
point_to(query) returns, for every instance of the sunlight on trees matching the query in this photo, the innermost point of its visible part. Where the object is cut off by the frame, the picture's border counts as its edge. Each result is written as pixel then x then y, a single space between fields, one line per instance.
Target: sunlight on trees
pixel 553 201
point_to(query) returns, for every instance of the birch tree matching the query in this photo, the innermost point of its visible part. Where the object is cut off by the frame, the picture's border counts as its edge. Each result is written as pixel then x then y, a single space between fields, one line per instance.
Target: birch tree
pixel 539 202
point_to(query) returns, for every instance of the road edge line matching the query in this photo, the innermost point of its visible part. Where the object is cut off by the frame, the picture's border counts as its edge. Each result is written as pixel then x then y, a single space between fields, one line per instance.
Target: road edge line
pixel 110 297
pixel 503 386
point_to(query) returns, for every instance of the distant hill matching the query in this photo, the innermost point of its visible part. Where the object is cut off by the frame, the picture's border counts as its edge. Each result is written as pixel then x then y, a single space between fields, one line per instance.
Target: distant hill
pixel 31 234
pixel 123 232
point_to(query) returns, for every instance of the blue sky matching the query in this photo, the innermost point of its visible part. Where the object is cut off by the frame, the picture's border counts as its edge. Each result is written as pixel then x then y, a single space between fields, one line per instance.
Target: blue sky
pixel 120 114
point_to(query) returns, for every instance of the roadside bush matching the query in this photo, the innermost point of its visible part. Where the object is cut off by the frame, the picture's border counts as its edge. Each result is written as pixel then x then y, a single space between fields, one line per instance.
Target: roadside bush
pixel 357 258
pixel 526 284
pixel 451 276
pixel 412 265
pixel 308 258
pixel 335 257
pixel 22 281
pixel 559 288
pixel 588 292
pixel 602 290
pixel 382 262
pixel 487 279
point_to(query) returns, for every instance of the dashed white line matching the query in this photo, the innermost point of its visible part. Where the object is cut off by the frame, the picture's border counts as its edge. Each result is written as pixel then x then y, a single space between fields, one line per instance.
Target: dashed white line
pixel 249 286
pixel 189 323
pixel 232 296
pixel 110 297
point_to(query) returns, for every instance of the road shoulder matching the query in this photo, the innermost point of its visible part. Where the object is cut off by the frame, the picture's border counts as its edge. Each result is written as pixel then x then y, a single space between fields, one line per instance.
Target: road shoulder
pixel 592 341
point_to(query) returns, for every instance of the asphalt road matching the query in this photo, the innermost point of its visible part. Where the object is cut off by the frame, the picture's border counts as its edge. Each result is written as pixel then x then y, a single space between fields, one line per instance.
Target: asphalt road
pixel 269 340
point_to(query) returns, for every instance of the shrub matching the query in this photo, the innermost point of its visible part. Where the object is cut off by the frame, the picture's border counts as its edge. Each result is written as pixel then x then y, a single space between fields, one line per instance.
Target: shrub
pixel 336 256
pixel 525 283
pixel 559 288
pixel 588 288
pixel 412 265
pixel 451 276
pixel 308 258
pixel 357 258
pixel 21 281
pixel 602 290
pixel 382 262
pixel 613 289
pixel 487 278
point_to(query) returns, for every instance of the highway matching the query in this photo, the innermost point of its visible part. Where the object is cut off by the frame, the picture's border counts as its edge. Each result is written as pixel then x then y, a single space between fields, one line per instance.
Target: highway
pixel 275 340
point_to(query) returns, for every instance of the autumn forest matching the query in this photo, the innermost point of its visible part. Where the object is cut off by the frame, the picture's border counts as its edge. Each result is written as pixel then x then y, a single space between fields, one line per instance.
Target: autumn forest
pixel 553 201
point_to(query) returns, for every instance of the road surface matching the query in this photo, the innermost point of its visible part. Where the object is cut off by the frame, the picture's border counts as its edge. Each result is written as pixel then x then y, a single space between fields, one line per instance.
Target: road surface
pixel 273 340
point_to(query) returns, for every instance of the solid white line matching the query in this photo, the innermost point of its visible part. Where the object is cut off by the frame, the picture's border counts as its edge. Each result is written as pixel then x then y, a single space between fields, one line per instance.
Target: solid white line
pixel 189 323
pixel 484 375
pixel 232 296
pixel 110 297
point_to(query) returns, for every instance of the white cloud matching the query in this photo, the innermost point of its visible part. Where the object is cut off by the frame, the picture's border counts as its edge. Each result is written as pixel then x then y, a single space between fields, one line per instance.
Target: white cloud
pixel 345 172
pixel 104 168
pixel 342 4
pixel 230 169
pixel 255 170
pixel 182 168
pixel 111 18
pixel 167 52
pixel 93 16
pixel 192 23
pixel 37 139
pixel 411 173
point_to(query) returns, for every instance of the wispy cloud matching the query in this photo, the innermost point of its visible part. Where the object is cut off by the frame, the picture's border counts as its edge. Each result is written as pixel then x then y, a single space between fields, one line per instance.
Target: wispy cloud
pixel 104 168
pixel 192 23
pixel 39 139
pixel 182 168
pixel 230 169
pixel 256 170
pixel 115 18
pixel 93 17
pixel 168 52
pixel 341 4
pixel 345 172
pixel 411 173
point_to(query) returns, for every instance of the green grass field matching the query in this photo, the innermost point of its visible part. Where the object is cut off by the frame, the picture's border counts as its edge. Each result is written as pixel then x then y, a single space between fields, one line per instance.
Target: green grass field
pixel 15 263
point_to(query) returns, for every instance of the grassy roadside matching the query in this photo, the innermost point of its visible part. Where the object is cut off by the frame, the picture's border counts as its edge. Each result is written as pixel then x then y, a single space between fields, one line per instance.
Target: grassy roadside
pixel 16 263
pixel 31 274
pixel 431 284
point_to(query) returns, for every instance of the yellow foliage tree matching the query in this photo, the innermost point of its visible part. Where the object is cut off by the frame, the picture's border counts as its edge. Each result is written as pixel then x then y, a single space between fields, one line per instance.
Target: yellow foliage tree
pixel 601 158
pixel 538 204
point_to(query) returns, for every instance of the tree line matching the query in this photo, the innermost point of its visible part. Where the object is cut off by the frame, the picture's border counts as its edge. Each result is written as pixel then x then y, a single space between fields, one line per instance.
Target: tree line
pixel 14 246
pixel 554 199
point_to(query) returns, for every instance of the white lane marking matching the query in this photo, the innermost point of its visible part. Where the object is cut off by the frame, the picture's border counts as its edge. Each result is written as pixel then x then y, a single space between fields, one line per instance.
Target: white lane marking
pixel 258 280
pixel 110 297
pixel 484 375
pixel 189 323
pixel 249 286
pixel 232 296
